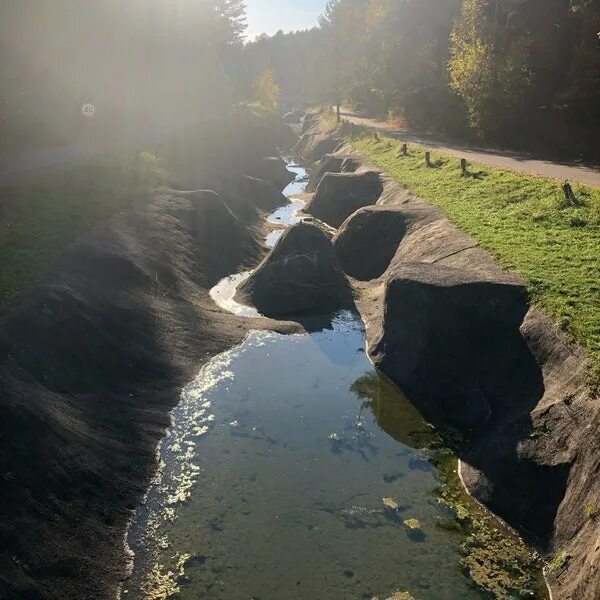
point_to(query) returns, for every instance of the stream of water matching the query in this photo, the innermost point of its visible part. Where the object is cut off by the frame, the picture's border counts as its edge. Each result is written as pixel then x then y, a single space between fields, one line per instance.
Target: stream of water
pixel 294 471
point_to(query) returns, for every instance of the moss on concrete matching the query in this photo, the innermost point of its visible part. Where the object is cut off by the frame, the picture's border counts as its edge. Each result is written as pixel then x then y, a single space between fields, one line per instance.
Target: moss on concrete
pixel 494 557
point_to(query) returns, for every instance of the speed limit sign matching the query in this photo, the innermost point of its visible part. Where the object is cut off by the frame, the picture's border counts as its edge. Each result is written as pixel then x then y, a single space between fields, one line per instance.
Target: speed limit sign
pixel 88 110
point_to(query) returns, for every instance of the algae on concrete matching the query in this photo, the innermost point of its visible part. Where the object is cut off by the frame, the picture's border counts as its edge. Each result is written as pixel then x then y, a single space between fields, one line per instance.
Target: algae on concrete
pixel 494 557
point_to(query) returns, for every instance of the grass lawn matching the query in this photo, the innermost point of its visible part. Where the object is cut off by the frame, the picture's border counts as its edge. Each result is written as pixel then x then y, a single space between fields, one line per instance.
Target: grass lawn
pixel 41 215
pixel 523 220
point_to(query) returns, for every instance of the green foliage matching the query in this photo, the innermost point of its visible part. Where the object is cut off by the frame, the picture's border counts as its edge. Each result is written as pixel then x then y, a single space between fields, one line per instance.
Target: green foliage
pixel 520 72
pixel 471 62
pixel 489 76
pixel 558 563
pixel 41 216
pixel 267 91
pixel 525 223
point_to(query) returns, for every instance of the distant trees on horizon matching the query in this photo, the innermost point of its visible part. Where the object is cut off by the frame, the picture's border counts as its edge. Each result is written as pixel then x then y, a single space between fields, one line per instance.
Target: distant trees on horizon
pixel 505 70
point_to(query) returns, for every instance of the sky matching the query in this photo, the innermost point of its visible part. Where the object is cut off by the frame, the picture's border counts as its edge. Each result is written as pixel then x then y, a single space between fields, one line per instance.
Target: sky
pixel 269 16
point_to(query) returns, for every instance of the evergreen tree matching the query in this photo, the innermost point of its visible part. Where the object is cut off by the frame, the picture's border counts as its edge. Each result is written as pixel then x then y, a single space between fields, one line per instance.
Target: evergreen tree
pixel 233 12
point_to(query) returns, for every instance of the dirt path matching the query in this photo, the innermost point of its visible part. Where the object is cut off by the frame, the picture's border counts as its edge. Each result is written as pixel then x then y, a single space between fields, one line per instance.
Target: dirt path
pixel 512 161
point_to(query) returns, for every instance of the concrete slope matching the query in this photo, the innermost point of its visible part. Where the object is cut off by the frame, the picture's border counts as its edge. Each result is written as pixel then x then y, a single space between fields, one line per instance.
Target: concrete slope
pixel 92 362
pixel 447 324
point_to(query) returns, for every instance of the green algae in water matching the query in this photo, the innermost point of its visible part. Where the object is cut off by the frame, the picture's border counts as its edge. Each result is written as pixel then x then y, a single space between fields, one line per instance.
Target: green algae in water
pixel 256 499
pixel 495 558
pixel 413 524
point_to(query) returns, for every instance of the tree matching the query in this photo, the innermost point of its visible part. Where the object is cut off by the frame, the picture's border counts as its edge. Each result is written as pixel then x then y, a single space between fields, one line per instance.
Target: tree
pixel 233 13
pixel 343 26
pixel 405 66
pixel 514 71
pixel 143 63
pixel 489 65
pixel 267 91
pixel 471 63
pixel 580 92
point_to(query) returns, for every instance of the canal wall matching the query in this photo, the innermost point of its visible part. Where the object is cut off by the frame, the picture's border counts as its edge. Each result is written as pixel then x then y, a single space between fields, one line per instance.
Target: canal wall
pixel 94 357
pixel 459 336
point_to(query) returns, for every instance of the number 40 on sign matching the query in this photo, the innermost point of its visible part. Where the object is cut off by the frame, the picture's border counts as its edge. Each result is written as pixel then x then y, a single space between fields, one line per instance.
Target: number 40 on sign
pixel 88 110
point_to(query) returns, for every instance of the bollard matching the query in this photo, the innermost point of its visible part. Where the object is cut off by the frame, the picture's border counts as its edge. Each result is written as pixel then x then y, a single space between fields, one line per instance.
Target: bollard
pixel 463 167
pixel 404 150
pixel 376 137
pixel 428 159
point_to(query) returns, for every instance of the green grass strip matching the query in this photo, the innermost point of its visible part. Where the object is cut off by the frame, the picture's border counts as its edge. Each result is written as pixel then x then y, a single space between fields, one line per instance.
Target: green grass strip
pixel 45 212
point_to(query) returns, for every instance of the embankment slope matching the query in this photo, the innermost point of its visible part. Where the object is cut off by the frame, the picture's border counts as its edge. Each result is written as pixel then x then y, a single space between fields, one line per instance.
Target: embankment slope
pixel 92 361
pixel 458 333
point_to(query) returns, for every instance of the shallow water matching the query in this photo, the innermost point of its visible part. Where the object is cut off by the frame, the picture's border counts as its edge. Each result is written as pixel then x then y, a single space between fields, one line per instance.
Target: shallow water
pixel 223 293
pixel 276 468
pixel 297 186
pixel 292 471
pixel 287 214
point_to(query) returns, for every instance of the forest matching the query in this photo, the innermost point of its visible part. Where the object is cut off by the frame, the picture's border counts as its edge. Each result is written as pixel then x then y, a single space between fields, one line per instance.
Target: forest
pixel 516 72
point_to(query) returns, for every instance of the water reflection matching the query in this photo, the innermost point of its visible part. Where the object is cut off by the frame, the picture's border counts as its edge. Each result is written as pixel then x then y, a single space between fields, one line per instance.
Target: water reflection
pixel 288 213
pixel 224 292
pixel 297 186
pixel 392 410
pixel 292 471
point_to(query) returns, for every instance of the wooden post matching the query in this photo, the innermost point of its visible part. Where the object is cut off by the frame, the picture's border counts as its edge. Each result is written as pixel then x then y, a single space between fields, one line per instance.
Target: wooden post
pixel 376 137
pixel 463 167
pixel 404 150
pixel 428 159
pixel 569 194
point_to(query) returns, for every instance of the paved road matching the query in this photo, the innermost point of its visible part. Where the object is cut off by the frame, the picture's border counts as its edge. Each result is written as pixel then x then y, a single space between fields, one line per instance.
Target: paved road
pixel 506 160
